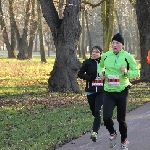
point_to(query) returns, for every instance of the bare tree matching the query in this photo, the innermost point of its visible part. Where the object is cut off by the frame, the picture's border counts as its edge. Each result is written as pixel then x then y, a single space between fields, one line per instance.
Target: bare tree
pixel 83 35
pixel 12 53
pixel 42 50
pixel 33 28
pixel 66 32
pixel 22 40
pixel 4 31
pixel 108 21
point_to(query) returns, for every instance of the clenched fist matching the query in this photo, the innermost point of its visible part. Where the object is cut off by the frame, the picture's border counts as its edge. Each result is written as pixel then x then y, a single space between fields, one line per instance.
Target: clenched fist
pixel 123 69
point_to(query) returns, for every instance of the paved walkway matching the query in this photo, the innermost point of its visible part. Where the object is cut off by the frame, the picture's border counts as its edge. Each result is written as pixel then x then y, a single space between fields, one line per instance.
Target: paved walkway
pixel 138 122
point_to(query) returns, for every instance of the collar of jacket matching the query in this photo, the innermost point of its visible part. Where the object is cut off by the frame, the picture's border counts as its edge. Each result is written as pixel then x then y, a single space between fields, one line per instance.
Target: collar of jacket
pixel 96 59
pixel 118 52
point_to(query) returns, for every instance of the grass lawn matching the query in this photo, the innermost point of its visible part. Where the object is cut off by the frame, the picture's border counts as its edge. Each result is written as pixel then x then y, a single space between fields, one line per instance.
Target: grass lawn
pixel 33 119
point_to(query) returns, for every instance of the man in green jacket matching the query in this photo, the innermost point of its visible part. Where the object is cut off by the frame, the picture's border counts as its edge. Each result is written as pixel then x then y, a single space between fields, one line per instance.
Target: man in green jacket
pixel 119 66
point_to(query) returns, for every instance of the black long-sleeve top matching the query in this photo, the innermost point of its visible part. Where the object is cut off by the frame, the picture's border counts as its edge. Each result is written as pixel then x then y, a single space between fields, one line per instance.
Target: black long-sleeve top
pixel 89 72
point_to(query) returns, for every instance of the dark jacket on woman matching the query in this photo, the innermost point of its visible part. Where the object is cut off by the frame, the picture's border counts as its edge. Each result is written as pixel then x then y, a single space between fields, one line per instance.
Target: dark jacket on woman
pixel 88 72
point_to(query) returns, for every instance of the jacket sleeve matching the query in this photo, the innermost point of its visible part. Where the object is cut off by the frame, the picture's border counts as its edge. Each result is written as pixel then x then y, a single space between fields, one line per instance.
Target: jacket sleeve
pixel 101 67
pixel 82 72
pixel 133 71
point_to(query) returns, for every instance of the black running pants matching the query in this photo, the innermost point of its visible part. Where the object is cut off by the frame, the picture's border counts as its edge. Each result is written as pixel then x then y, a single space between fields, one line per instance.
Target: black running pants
pixel 95 102
pixel 112 100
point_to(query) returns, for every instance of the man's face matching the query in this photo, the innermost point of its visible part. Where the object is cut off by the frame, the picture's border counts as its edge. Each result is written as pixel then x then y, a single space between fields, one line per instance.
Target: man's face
pixel 117 46
pixel 95 54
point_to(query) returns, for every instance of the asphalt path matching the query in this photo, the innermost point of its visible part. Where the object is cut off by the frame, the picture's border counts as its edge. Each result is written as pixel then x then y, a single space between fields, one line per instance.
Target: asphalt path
pixel 138 122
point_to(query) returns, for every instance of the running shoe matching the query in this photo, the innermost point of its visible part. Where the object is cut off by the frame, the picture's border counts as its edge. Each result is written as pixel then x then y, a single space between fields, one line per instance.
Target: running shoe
pixel 94 136
pixel 124 145
pixel 112 138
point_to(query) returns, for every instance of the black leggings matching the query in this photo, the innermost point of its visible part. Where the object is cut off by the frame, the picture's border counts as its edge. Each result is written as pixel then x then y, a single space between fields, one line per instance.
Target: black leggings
pixel 112 99
pixel 95 102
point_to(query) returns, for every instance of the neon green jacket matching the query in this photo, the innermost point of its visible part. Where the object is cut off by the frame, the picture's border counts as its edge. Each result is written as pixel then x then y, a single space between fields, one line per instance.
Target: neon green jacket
pixel 112 63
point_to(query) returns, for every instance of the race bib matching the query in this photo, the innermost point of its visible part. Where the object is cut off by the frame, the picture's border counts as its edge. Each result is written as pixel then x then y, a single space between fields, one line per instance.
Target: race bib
pixel 113 80
pixel 97 82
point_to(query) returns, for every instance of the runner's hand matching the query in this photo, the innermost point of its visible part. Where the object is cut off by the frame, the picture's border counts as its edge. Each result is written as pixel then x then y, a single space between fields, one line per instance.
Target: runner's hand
pixel 123 69
pixel 102 77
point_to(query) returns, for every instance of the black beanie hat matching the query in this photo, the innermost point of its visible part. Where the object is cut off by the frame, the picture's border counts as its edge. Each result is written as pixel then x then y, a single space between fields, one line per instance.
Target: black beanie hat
pixel 98 48
pixel 119 38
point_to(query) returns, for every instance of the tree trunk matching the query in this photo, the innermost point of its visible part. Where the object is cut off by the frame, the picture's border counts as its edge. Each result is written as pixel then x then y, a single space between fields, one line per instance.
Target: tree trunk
pixel 79 49
pixel 48 50
pixel 42 51
pixel 143 20
pixel 33 28
pixel 36 42
pixel 12 24
pixel 108 20
pixel 22 47
pixel 118 21
pixel 66 34
pixel 4 31
pixel 79 52
pixel 88 33
pixel 13 43
pixel 22 41
pixel 83 44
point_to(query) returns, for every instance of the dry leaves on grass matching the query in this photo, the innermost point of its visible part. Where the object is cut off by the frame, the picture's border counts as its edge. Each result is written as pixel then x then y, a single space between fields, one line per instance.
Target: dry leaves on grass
pixel 48 100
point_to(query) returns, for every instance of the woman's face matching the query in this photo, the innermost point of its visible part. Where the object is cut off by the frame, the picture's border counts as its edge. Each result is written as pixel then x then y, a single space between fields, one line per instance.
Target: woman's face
pixel 117 46
pixel 96 54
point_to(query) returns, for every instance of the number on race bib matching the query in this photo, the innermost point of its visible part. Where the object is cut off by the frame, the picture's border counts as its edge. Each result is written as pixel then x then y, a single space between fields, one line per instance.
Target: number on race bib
pixel 113 80
pixel 97 82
